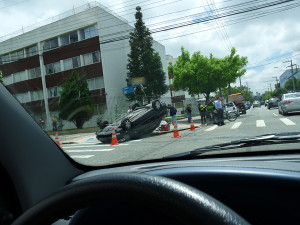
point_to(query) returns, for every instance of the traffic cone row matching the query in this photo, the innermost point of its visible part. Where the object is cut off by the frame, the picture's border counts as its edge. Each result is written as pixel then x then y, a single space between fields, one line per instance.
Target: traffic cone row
pixel 192 128
pixel 176 133
pixel 114 140
pixel 57 140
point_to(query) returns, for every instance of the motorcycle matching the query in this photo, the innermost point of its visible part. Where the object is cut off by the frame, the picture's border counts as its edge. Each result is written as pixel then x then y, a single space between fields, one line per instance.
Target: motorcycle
pixel 42 124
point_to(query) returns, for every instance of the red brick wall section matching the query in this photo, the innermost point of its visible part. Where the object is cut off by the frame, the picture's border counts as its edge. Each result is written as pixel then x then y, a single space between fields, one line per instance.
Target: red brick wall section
pixel 72 50
pixel 21 65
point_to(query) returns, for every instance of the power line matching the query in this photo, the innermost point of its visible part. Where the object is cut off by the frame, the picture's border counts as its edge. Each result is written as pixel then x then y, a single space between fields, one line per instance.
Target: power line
pixel 207 19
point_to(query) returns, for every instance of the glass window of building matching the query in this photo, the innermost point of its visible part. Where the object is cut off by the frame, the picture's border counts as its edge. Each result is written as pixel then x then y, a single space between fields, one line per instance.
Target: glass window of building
pixel 96 56
pixel 23 97
pixel 50 44
pixel 76 61
pixel 95 83
pixel 68 64
pixel 34 72
pixel 13 56
pixel 53 68
pixel 90 58
pixel 88 32
pixel 31 51
pixel 69 38
pixel 54 92
pixel 72 63
pixel 36 95
pixel 8 80
pixel 5 59
pixel 20 76
pixel 20 54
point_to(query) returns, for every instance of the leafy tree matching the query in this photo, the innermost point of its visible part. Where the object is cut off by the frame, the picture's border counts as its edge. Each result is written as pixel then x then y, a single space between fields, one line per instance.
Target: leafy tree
pixel 233 67
pixel 289 84
pixel 1 78
pixel 75 101
pixel 144 62
pixel 279 92
pixel 196 74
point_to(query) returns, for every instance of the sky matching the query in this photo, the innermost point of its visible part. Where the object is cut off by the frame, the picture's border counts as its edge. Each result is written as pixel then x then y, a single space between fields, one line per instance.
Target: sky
pixel 269 41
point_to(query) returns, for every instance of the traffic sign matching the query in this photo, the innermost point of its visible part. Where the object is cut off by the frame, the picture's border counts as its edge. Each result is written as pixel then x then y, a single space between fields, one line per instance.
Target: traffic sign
pixel 128 90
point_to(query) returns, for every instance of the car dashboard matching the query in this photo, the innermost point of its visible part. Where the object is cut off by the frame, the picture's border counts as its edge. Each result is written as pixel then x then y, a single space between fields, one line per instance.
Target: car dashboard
pixel 262 189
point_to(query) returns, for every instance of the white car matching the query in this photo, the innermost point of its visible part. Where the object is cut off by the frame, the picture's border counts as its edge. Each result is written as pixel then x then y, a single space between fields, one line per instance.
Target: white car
pixel 231 107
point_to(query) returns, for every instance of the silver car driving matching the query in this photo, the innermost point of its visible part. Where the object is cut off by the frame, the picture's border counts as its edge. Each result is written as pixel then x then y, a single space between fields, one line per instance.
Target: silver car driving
pixel 289 103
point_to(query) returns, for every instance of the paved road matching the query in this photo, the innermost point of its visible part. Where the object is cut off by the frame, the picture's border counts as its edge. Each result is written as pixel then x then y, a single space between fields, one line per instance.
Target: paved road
pixel 257 121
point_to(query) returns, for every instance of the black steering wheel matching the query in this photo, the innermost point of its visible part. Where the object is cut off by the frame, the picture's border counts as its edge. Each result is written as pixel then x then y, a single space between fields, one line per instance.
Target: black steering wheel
pixel 177 201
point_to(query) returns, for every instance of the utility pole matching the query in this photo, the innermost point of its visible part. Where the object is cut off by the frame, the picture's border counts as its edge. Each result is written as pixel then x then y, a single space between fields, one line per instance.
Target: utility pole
pixel 276 82
pixel 270 85
pixel 291 61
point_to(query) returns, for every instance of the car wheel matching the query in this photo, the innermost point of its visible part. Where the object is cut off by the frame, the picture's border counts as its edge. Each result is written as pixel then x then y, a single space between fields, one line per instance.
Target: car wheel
pixel 156 105
pixel 103 124
pixel 165 198
pixel 126 124
pixel 284 113
pixel 279 111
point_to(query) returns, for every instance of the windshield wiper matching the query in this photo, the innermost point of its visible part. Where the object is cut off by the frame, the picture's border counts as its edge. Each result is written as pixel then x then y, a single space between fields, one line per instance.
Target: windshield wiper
pixel 267 139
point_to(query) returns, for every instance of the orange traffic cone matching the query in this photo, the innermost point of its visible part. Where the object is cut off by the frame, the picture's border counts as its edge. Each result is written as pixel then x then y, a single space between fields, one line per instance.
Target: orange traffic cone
pixel 176 133
pixel 192 125
pixel 114 140
pixel 57 140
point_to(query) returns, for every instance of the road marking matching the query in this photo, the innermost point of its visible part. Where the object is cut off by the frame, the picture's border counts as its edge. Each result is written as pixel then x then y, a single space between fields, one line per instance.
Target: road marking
pixel 236 125
pixel 260 123
pixel 212 128
pixel 275 114
pixel 95 150
pixel 84 145
pixel 81 156
pixel 137 140
pixel 287 121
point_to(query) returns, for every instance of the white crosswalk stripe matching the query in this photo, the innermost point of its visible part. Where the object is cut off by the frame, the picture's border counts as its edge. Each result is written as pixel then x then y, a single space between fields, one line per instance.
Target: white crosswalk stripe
pixel 236 125
pixel 288 122
pixel 212 128
pixel 260 123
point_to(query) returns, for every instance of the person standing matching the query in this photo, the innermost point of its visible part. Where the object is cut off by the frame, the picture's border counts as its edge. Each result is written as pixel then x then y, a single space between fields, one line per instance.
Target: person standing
pixel 209 111
pixel 202 110
pixel 129 109
pixel 189 112
pixel 54 123
pixel 219 108
pixel 173 112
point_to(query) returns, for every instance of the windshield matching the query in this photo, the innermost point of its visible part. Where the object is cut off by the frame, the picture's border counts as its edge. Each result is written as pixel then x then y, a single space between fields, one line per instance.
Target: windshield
pixel 113 82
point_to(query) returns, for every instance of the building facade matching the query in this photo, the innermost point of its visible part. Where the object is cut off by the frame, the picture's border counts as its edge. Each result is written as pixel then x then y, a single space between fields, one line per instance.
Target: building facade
pixel 91 40
pixel 288 75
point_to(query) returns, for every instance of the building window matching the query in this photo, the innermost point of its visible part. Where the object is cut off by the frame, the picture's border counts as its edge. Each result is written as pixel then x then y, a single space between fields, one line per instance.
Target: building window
pixel 8 80
pixel 53 68
pixel 23 97
pixel 95 83
pixel 50 44
pixel 54 91
pixel 34 73
pixel 88 32
pixel 31 51
pixel 72 63
pixel 37 95
pixel 5 59
pixel 69 38
pixel 20 76
pixel 90 58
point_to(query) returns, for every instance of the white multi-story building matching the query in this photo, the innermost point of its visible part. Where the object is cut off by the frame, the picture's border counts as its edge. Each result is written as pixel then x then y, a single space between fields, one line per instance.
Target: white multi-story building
pixel 89 39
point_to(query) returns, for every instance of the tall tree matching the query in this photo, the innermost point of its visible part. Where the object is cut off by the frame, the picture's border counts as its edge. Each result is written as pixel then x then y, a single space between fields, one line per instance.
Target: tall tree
pixel 233 67
pixel 144 62
pixel 76 103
